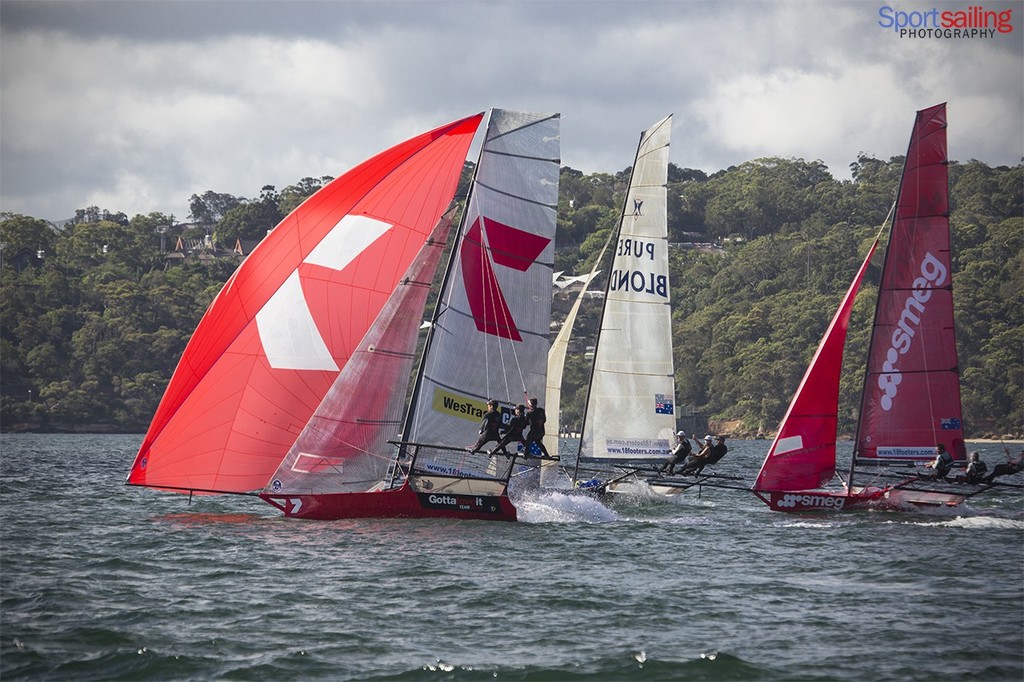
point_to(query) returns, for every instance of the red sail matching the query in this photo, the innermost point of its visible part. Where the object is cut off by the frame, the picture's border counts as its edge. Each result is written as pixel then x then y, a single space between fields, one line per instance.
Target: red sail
pixel 272 342
pixel 803 454
pixel 911 397
pixel 345 446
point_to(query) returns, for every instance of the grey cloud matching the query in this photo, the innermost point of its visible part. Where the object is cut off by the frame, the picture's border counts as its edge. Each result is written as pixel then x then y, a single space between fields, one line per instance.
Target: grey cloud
pixel 141 104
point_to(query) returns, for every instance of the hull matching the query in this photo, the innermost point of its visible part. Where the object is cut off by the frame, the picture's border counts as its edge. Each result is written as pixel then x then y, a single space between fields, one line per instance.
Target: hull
pixel 396 503
pixel 872 498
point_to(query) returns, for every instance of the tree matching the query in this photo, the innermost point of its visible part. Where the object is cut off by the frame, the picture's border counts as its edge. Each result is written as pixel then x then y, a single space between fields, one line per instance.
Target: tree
pixel 759 197
pixel 250 220
pixel 293 195
pixel 207 209
pixel 19 232
pixel 94 214
pixel 89 338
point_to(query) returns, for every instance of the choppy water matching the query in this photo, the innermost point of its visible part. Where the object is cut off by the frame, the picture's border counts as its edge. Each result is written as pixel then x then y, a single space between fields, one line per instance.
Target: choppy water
pixel 102 581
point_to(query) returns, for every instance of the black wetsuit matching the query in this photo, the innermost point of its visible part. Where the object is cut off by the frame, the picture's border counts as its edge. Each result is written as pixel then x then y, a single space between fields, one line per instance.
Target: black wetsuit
pixel 1004 469
pixel 513 434
pixel 488 429
pixel 975 472
pixel 717 453
pixel 697 463
pixel 940 467
pixel 536 418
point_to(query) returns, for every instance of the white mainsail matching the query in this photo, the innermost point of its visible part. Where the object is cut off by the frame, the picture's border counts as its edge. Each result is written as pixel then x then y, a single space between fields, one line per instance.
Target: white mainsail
pixel 490 336
pixel 630 415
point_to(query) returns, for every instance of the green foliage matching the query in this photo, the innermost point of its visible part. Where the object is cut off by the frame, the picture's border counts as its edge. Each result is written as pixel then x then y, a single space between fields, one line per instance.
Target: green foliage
pixel 89 336
pixel 250 220
pixel 207 209
pixel 293 195
pixel 761 197
pixel 19 232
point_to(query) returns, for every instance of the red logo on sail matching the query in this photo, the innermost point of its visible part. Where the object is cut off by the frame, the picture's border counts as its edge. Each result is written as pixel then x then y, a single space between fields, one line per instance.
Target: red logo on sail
pixel 510 247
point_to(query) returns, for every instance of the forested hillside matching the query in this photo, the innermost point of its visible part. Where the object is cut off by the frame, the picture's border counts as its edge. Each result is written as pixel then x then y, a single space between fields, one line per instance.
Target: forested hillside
pixel 95 313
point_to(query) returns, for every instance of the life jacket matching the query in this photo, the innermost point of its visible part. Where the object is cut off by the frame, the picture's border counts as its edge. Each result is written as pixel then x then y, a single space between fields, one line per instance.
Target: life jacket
pixel 717 453
pixel 976 469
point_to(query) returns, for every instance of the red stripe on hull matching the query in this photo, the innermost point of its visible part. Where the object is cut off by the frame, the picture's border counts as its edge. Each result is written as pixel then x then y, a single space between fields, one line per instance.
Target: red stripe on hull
pixel 402 502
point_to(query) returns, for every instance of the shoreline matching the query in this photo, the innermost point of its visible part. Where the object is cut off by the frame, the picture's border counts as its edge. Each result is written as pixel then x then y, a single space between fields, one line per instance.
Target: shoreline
pixel 127 432
pixel 1005 441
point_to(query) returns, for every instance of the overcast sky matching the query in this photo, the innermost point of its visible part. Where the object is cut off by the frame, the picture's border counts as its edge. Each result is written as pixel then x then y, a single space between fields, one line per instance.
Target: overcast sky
pixel 135 106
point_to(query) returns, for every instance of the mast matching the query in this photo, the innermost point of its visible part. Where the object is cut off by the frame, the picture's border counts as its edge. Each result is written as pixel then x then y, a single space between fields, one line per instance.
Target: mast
pixel 864 385
pixel 874 321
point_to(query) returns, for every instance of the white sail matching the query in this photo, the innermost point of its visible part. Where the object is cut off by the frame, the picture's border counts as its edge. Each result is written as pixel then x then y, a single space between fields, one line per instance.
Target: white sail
pixel 630 415
pixel 556 368
pixel 556 362
pixel 490 336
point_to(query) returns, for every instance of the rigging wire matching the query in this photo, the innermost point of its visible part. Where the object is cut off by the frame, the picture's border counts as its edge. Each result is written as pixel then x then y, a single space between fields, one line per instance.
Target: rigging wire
pixel 508 323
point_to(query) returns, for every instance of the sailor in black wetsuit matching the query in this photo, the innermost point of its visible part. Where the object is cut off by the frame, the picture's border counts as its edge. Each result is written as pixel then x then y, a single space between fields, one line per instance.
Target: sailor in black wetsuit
pixel 514 432
pixel 536 418
pixel 1011 466
pixel 489 426
pixel 696 461
pixel 718 451
pixel 976 469
pixel 709 454
pixel 940 466
pixel 678 455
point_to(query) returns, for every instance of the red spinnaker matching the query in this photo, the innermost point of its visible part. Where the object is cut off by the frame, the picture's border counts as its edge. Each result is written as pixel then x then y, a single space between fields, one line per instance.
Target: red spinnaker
pixel 273 341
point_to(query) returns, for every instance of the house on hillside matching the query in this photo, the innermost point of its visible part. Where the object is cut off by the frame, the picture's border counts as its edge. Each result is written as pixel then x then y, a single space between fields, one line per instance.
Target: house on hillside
pixel 22 258
pixel 205 249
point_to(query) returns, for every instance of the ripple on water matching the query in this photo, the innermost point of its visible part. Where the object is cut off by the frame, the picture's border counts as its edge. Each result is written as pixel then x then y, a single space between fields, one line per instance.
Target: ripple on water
pixel 98 581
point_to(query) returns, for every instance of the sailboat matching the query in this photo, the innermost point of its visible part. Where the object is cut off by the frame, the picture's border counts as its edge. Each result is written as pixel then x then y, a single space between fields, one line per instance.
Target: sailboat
pixel 298 396
pixel 911 394
pixel 629 420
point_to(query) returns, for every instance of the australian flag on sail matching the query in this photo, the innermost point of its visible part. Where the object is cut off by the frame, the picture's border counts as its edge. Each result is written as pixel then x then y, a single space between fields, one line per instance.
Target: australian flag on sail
pixel 950 424
pixel 663 403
